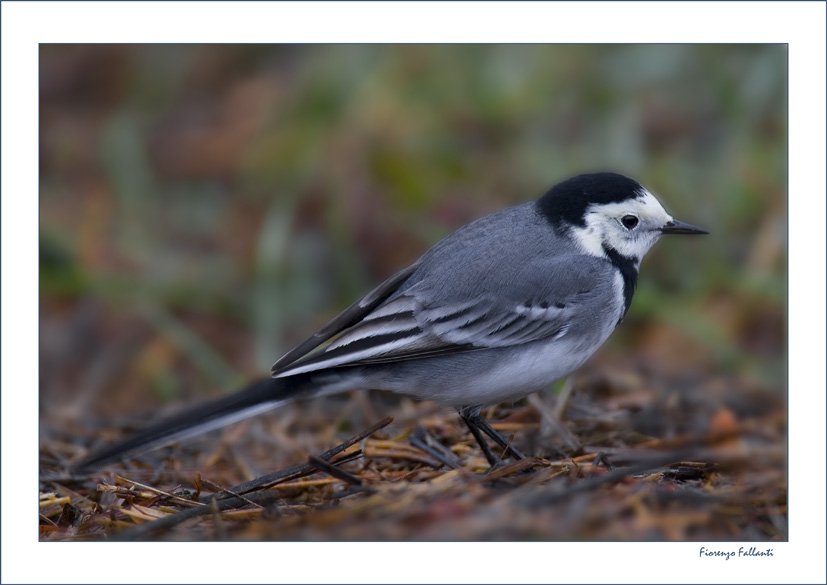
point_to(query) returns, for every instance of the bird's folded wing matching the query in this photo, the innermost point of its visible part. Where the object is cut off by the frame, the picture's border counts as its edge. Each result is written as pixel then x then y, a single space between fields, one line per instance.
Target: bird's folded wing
pixel 418 323
pixel 347 318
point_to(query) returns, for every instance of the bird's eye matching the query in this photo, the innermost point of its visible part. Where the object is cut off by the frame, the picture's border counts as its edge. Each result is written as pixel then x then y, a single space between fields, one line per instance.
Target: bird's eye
pixel 629 221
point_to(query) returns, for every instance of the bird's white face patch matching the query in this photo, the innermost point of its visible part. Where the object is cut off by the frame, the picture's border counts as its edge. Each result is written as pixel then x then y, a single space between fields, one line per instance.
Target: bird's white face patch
pixel 631 227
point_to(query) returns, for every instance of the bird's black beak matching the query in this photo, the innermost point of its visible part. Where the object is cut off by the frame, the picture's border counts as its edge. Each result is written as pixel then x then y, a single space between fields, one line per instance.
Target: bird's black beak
pixel 678 227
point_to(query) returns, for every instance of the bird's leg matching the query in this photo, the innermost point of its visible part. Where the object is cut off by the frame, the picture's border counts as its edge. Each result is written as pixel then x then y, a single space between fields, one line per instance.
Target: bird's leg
pixel 498 438
pixel 486 450
pixel 478 425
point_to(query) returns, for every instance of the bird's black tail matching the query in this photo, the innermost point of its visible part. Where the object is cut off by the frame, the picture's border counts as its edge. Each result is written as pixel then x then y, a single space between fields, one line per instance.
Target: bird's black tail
pixel 254 399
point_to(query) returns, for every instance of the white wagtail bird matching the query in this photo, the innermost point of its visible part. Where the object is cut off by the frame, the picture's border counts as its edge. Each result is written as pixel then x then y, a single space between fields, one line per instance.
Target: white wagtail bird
pixel 503 307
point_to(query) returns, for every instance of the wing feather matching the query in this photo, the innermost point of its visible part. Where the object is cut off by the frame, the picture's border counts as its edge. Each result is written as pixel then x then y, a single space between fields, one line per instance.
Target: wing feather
pixel 347 318
pixel 399 323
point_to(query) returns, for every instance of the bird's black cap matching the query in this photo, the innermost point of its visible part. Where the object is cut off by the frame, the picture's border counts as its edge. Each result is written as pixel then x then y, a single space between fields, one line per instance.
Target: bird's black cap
pixel 566 202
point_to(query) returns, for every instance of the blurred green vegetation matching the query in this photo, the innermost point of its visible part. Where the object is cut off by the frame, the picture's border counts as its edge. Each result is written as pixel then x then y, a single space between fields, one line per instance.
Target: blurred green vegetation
pixel 227 200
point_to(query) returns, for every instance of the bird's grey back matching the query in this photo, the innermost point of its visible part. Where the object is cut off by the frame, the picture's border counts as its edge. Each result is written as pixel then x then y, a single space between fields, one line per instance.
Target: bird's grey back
pixel 491 254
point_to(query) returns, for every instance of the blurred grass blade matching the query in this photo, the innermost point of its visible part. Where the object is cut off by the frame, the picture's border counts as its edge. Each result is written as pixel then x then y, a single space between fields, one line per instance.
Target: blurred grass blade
pixel 270 286
pixel 199 353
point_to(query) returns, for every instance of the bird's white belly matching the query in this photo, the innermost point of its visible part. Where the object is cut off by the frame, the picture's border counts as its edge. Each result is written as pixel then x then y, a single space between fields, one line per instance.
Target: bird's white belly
pixel 527 372
pixel 488 378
